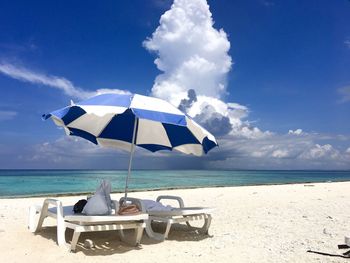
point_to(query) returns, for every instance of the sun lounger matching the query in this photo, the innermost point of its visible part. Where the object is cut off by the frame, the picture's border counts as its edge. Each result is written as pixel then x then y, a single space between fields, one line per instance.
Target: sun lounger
pixel 347 240
pixel 175 215
pixel 66 218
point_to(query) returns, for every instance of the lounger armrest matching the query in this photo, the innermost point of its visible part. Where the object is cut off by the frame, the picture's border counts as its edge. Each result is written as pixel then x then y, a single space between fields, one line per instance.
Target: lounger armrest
pixel 172 197
pixel 57 204
pixel 43 213
pixel 135 201
pixel 54 202
pixel 115 206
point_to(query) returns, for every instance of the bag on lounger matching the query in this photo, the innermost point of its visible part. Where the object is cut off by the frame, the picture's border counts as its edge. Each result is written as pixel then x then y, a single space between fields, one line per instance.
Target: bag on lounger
pixel 79 206
pixel 100 203
pixel 126 209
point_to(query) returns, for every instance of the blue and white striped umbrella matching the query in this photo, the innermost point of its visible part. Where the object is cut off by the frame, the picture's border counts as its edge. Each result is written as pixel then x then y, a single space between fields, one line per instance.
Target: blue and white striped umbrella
pixel 125 120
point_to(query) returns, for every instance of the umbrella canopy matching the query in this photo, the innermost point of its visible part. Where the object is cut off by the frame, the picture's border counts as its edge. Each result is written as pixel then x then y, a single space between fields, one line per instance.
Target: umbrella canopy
pixel 125 120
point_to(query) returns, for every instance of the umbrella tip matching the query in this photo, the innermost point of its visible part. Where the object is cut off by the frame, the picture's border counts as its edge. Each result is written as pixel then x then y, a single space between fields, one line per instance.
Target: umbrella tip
pixel 44 117
pixel 72 103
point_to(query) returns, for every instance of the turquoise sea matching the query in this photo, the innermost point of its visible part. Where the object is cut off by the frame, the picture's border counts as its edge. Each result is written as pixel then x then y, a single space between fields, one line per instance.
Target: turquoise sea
pixel 19 183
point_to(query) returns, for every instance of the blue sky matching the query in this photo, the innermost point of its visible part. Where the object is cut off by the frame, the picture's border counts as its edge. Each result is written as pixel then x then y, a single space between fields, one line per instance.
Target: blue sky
pixel 285 67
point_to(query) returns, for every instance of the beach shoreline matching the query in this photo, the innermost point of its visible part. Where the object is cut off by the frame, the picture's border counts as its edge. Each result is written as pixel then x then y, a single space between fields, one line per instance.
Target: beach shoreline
pixel 261 223
pixel 41 183
pixel 168 189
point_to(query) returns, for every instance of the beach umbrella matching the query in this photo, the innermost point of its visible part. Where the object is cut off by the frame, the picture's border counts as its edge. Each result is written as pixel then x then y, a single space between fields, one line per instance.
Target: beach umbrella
pixel 127 120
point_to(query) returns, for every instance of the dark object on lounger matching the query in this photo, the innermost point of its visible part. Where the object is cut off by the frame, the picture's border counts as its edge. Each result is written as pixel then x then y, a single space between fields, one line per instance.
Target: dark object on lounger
pixel 79 206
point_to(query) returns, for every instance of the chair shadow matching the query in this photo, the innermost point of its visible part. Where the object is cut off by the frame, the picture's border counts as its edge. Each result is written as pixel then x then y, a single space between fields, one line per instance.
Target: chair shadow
pixel 105 242
pixel 109 242
pixel 178 232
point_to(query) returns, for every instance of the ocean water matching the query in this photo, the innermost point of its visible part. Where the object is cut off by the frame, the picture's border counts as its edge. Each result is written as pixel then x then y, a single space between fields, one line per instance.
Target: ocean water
pixel 19 183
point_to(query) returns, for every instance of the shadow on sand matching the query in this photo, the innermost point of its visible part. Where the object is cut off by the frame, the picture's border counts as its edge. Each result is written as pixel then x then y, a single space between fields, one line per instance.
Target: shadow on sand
pixel 109 242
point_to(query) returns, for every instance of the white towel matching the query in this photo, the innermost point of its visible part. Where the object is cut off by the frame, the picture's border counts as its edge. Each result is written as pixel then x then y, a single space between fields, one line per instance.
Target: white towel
pixel 151 205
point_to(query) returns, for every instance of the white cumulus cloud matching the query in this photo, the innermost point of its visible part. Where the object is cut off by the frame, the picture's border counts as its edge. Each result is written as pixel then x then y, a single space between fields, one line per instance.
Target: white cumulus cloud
pixel 194 60
pixel 192 54
pixel 320 152
pixel 280 153
pixel 296 132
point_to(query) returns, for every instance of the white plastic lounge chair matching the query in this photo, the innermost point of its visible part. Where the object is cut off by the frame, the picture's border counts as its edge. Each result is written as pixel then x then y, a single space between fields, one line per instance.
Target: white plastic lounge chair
pixel 347 240
pixel 82 223
pixel 176 215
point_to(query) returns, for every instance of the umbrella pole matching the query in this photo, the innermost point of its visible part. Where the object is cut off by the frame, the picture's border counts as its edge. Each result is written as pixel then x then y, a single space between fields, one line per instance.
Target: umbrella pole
pixel 132 149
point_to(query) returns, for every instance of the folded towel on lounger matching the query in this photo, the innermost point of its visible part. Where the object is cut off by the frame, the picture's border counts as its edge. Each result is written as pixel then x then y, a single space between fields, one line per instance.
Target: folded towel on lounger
pixel 151 205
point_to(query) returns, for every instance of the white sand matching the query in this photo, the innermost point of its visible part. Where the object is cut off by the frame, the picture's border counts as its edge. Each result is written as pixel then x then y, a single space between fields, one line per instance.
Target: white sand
pixel 251 224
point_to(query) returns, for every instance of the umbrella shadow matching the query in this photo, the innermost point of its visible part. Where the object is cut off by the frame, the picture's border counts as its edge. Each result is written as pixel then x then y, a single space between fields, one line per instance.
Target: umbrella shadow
pixel 104 243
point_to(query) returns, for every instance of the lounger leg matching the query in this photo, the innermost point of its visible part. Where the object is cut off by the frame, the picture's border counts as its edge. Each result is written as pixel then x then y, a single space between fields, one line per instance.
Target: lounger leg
pixel 206 225
pixel 151 233
pixel 32 222
pixel 123 237
pixel 138 234
pixel 167 229
pixel 122 234
pixel 204 229
pixel 158 236
pixel 74 242
pixel 61 236
pixel 43 215
pixel 61 228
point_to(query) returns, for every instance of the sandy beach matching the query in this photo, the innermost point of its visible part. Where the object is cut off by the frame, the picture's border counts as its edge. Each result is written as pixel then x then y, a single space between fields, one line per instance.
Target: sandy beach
pixel 277 223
